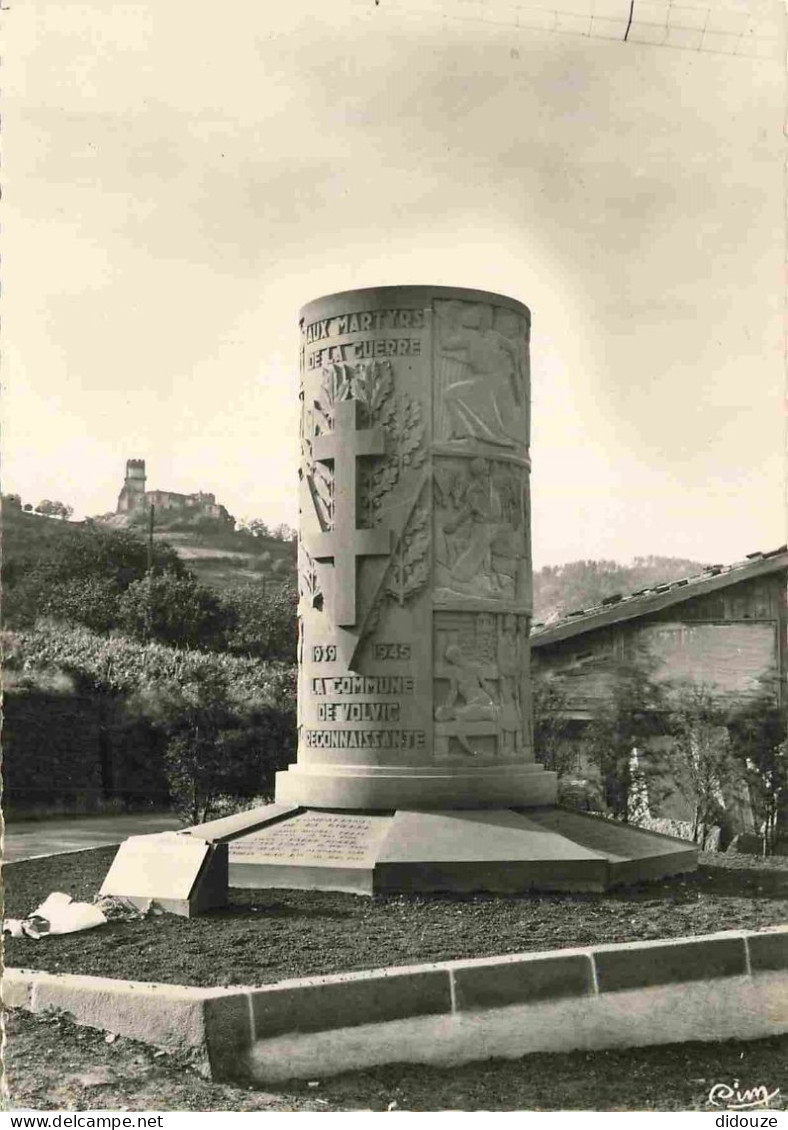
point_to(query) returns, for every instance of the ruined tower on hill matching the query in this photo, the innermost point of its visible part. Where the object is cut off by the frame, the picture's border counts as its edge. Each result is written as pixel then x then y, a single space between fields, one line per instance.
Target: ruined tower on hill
pixel 132 497
pixel 169 504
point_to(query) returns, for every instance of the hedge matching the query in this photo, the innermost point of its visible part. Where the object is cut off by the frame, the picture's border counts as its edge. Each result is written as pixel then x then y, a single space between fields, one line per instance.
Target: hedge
pixel 73 738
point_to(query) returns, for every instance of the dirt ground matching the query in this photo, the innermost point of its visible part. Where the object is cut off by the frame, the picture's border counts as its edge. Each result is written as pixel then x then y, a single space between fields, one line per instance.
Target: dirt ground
pixel 266 936
pixel 52 1064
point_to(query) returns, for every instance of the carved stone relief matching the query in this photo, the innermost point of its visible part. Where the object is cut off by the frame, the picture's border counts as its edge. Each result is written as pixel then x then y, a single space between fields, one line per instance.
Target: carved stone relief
pixel 409 567
pixel 371 385
pixel 481 374
pixel 480 666
pixel 480 529
pixel 360 439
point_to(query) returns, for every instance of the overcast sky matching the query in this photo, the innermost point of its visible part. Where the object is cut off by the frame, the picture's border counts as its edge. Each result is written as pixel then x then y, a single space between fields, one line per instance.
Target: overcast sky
pixel 181 178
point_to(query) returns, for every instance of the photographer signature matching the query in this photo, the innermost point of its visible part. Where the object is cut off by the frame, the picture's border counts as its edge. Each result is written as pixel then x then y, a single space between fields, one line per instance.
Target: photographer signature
pixel 722 1094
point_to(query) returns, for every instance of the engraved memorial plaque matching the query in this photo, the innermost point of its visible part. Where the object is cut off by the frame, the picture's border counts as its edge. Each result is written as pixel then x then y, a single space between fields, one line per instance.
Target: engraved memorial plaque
pixel 317 839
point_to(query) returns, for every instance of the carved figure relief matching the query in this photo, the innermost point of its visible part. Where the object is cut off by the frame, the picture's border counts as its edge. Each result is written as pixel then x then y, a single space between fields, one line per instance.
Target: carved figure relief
pixel 470 699
pixel 480 373
pixel 480 541
pixel 480 665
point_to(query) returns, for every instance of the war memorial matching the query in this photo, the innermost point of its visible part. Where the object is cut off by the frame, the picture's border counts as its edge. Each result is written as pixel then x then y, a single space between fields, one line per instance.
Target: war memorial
pixel 415 767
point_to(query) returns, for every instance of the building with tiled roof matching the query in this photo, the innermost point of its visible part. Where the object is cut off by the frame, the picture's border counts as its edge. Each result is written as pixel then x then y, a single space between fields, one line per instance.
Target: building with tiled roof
pixel 726 627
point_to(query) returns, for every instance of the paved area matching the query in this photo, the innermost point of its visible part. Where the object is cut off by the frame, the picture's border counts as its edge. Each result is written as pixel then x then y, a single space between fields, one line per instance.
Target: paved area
pixel 27 839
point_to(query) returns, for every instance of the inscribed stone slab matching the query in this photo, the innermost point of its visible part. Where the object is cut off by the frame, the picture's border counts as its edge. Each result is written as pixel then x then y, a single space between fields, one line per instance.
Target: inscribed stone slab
pixel 319 839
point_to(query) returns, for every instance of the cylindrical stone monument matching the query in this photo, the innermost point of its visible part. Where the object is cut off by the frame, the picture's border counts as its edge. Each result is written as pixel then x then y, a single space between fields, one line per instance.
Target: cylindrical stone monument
pixel 415 748
pixel 414 554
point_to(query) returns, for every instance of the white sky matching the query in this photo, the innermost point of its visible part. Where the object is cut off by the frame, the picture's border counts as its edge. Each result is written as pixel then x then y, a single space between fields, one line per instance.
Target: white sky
pixel 181 178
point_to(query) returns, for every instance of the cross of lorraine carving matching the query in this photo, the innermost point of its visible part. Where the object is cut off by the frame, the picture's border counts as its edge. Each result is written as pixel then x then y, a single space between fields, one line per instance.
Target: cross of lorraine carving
pixel 345 543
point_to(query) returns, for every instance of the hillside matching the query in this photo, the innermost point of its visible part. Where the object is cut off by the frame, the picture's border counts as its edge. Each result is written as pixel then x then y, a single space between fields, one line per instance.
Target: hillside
pixel 559 589
pixel 27 536
pixel 219 557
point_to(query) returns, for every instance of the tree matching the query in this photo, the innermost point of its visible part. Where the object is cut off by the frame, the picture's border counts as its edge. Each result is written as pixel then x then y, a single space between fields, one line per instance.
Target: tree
pixel 254 526
pixel 701 763
pixel 283 532
pixel 221 739
pixel 54 509
pixel 197 715
pixel 551 726
pixel 757 731
pixel 12 501
pixel 57 569
pixel 622 723
pixel 174 610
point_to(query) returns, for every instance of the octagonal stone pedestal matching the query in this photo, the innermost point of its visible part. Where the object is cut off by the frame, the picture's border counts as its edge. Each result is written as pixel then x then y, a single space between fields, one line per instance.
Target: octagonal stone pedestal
pixel 498 850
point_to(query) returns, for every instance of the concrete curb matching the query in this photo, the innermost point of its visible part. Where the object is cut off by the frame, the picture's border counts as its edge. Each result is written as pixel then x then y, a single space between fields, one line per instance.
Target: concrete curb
pixel 712 987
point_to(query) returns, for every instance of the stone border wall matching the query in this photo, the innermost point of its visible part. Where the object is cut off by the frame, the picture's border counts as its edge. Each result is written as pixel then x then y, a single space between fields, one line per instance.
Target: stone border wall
pixel 712 987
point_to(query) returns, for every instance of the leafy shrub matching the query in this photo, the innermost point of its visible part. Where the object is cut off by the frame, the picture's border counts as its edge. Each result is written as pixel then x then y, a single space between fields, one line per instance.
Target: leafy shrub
pixel 174 610
pixel 213 748
pixel 92 601
pixel 265 621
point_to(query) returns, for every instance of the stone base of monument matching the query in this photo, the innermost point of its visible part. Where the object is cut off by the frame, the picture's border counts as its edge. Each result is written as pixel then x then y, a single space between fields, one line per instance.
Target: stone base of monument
pixel 500 850
pixel 179 873
pixel 363 787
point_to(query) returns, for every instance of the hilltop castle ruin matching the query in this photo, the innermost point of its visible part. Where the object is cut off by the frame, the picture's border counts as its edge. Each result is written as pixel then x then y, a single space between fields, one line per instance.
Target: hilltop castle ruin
pixel 134 498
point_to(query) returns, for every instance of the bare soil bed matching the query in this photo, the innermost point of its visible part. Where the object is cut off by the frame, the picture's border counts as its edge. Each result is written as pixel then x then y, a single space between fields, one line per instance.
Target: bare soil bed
pixel 267 936
pixel 51 1064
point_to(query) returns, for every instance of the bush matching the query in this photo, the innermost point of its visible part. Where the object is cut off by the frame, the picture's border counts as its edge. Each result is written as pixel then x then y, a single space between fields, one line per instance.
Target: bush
pixel 625 721
pixel 213 748
pixel 700 760
pixel 552 726
pixel 174 610
pixel 265 621
pixel 92 601
pixel 757 731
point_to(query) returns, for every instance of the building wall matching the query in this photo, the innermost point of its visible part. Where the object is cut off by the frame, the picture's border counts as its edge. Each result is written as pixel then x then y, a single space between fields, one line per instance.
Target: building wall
pixel 729 656
pixel 731 640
